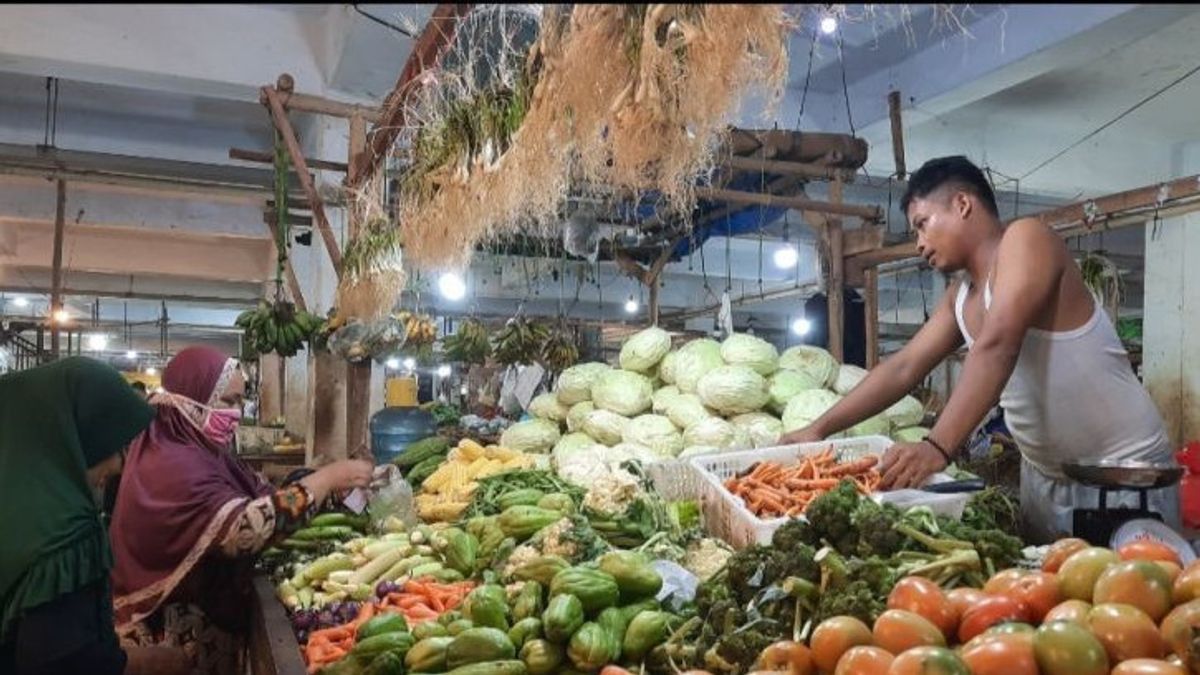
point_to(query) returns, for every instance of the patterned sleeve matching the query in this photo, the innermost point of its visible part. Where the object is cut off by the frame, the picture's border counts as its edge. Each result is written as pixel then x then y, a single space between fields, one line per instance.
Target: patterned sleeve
pixel 276 514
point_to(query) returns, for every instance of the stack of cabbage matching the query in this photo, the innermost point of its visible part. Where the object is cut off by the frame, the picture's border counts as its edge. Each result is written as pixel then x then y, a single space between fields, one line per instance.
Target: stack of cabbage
pixel 705 397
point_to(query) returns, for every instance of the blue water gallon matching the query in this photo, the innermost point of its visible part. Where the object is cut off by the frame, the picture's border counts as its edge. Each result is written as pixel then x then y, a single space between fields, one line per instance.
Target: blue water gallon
pixel 393 429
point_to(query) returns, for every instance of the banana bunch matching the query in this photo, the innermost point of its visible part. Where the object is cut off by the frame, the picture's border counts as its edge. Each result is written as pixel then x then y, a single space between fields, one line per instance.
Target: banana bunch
pixel 277 328
pixel 560 351
pixel 520 341
pixel 469 344
pixel 419 328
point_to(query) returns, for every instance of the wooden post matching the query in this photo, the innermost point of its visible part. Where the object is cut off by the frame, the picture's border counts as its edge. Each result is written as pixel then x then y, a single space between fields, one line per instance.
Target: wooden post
pixel 357 375
pixel 871 307
pixel 288 272
pixel 310 190
pixel 897 133
pixel 836 280
pixel 56 303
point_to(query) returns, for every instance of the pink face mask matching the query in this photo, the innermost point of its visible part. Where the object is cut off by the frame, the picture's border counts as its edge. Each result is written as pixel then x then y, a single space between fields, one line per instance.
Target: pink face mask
pixel 220 424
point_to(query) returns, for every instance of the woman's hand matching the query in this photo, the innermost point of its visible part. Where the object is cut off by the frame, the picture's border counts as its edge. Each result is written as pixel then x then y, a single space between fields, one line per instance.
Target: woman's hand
pixel 342 475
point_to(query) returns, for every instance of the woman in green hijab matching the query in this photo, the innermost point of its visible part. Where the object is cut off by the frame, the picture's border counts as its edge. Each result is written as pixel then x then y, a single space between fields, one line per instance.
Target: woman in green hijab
pixel 62 427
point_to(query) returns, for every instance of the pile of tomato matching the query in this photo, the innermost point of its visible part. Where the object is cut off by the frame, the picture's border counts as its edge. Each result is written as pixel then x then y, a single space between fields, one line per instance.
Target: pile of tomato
pixel 1087 611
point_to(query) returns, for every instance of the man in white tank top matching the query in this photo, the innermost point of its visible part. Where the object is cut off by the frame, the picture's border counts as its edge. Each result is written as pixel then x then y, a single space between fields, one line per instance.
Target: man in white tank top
pixel 1037 343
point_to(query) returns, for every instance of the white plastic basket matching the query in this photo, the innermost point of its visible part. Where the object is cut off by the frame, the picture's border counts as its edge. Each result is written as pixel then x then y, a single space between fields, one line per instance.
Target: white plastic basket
pixel 726 515
pixel 676 479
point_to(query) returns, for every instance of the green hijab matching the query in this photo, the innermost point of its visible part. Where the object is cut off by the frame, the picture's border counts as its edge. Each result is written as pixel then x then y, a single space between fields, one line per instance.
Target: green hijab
pixel 56 421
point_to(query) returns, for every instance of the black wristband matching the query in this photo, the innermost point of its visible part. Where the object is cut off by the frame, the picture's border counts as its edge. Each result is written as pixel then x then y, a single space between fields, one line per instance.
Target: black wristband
pixel 939 448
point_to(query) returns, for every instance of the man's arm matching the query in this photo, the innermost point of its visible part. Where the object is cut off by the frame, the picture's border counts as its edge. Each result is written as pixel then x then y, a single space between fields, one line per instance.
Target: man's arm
pixel 896 376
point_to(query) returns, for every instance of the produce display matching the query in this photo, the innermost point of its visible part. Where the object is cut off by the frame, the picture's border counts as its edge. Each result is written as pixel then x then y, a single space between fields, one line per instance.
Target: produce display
pixel 469 344
pixel 277 327
pixel 445 491
pixel 771 490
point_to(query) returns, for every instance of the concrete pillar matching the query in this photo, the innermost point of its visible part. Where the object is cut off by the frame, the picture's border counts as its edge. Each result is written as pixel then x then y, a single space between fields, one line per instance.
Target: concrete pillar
pixel 1171 340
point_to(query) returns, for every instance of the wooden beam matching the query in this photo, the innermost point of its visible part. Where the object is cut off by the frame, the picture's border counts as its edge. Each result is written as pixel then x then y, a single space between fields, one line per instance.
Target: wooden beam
pixel 268 158
pixel 356 377
pixel 434 39
pixel 314 200
pixel 60 226
pixel 871 307
pixel 869 213
pixel 744 300
pixel 861 240
pixel 897 133
pixel 308 103
pixel 836 280
pixel 758 164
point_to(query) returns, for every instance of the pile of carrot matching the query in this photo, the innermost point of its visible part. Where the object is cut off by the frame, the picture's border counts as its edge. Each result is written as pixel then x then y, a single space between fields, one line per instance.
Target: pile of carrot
pixel 772 490
pixel 419 601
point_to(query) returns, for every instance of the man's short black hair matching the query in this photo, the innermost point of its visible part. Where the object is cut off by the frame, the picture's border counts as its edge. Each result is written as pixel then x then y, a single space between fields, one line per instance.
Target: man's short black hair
pixel 139 385
pixel 957 171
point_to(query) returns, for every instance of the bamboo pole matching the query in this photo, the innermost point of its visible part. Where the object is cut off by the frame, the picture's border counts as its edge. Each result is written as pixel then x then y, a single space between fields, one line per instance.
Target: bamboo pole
pixel 56 303
pixel 357 375
pixel 871 306
pixel 833 207
pixel 897 133
pixel 788 168
pixel 268 158
pixel 836 279
pixel 308 103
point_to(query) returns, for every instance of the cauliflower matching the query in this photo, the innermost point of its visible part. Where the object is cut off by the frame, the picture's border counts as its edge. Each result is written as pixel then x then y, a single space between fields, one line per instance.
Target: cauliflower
pixel 612 494
pixel 706 557
pixel 520 555
pixel 553 543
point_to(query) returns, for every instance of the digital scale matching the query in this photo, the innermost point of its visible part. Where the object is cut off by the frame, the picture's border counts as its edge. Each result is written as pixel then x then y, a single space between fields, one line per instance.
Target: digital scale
pixel 1097 525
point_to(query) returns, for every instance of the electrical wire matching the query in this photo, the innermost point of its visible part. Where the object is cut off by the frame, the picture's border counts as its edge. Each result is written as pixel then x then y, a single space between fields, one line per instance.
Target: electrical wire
pixel 386 24
pixel 807 79
pixel 845 87
pixel 1111 122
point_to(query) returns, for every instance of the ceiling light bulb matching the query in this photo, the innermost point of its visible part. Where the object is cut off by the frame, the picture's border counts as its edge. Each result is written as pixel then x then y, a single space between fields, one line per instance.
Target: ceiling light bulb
pixel 452 286
pixel 20 302
pixel 393 364
pixel 152 371
pixel 97 342
pixel 443 371
pixel 631 305
pixel 409 363
pixel 829 25
pixel 801 326
pixel 787 257
pixel 131 355
pixel 62 316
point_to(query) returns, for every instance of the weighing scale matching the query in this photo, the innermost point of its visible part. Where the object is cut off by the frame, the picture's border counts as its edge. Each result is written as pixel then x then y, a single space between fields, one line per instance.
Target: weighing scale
pixel 1097 525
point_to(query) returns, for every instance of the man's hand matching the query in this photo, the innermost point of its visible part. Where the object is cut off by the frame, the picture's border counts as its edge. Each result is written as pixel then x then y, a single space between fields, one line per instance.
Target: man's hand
pixel 808 434
pixel 909 465
pixel 157 661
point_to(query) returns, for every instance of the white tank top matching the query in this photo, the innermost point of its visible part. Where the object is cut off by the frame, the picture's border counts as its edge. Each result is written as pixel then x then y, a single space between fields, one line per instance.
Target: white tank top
pixel 1073 396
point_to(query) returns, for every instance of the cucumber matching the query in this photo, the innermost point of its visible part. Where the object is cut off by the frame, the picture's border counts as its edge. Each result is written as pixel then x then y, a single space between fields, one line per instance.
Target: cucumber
pixel 325 533
pixel 507 667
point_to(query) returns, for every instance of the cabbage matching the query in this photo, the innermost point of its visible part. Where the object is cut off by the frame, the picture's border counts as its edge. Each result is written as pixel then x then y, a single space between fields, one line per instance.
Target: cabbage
pixel 698 450
pixel 624 452
pixel 577 413
pixel 548 407
pixel 813 361
pixel 663 398
pixel 584 468
pixel 604 426
pixel 686 410
pixel 910 435
pixel 785 384
pixel 622 392
pixel 806 406
pixel 717 433
pixel 763 429
pixel 534 436
pixel 655 432
pixel 666 368
pixel 848 378
pixel 571 444
pixel 575 383
pixel 747 350
pixel 695 359
pixel 731 390
pixel 872 426
pixel 643 351
pixel 906 412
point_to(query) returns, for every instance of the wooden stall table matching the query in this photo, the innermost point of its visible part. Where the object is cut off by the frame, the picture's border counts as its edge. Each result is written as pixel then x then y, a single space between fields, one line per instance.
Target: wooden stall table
pixel 272 645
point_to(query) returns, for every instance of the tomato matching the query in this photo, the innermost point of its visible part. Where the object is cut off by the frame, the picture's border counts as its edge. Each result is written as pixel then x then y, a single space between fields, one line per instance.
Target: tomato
pixel 1038 591
pixel 864 661
pixel 1173 570
pixel 928 661
pixel 1069 610
pixel 1010 628
pixel 921 596
pixel 897 630
pixel 1126 633
pixel 790 657
pixel 989 612
pixel 1003 580
pixel 1065 648
pixel 614 670
pixel 1140 583
pixel 834 637
pixel 1059 551
pixel 995 654
pixel 1079 572
pixel 1187 585
pixel 1177 630
pixel 1147 667
pixel 961 599
pixel 1148 549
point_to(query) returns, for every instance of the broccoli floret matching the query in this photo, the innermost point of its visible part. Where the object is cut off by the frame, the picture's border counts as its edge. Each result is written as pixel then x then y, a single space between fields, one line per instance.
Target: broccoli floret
pixel 876 529
pixel 794 534
pixel 997 549
pixel 754 568
pixel 857 599
pixel 878 573
pixel 711 592
pixel 830 517
pixel 737 652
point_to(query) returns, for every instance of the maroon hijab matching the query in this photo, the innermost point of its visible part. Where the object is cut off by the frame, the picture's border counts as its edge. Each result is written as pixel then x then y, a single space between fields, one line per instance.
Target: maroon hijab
pixel 179 494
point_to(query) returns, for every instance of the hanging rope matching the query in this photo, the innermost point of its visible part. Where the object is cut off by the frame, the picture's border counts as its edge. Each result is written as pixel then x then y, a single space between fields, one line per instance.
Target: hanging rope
pixel 846 88
pixel 812 46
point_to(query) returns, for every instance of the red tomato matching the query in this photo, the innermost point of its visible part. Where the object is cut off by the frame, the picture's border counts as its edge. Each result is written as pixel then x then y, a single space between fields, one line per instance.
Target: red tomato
pixel 1069 610
pixel 787 656
pixel 1140 583
pixel 1038 591
pixel 1065 648
pixel 928 661
pixel 1059 551
pixel 1126 633
pixel 1078 574
pixel 864 661
pixel 1147 667
pixel 1003 580
pixel 1148 549
pixel 921 596
pixel 988 613
pixel 962 599
pixel 897 631
pixel 1186 586
pixel 1010 654
pixel 834 637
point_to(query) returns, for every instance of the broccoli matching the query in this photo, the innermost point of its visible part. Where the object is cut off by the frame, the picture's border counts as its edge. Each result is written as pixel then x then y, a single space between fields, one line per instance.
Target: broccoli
pixel 876 529
pixel 737 652
pixel 830 517
pixel 794 534
pixel 754 568
pixel 857 599
pixel 998 549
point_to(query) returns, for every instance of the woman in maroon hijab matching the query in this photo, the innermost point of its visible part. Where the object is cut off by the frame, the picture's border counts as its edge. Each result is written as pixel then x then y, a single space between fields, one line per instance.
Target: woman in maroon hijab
pixel 190 517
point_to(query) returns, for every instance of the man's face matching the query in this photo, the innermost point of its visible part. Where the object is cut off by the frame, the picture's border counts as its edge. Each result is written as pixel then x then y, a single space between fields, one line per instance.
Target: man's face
pixel 938 221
